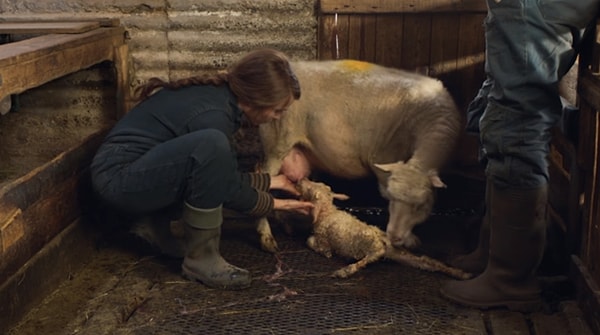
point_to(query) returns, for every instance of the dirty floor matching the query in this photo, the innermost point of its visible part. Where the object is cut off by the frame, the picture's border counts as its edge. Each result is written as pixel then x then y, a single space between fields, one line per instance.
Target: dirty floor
pixel 126 288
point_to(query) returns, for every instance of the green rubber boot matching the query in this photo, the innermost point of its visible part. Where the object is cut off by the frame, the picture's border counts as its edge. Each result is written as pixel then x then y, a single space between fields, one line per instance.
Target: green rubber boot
pixel 203 261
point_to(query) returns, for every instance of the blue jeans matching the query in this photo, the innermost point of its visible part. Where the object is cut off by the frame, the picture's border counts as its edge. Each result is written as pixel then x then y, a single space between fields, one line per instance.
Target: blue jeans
pixel 530 46
pixel 196 168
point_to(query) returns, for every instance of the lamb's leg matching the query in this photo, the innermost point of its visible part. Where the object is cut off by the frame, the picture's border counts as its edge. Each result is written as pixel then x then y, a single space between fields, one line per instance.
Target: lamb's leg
pixel 351 269
pixel 321 246
pixel 424 263
pixel 267 241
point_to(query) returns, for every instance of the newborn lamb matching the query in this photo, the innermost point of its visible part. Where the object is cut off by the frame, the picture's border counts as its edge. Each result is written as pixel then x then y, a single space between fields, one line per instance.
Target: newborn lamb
pixel 338 232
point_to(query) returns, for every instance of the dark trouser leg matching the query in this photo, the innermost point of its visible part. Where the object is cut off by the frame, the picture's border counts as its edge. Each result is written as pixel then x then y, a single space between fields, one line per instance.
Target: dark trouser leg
pixel 476 261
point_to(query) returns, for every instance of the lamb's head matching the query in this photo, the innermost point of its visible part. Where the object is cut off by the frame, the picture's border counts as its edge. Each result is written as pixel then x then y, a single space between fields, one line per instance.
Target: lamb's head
pixel 319 194
pixel 410 194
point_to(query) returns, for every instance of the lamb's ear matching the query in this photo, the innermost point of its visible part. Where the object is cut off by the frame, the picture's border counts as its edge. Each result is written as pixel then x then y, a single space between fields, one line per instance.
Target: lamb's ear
pixel 315 212
pixel 340 196
pixel 435 179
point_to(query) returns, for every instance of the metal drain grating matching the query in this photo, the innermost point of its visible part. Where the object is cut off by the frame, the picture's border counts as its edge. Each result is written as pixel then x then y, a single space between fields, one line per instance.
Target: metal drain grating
pixel 292 293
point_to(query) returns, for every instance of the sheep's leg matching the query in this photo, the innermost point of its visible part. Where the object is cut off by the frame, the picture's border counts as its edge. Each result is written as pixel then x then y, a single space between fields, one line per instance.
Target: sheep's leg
pixel 424 263
pixel 351 269
pixel 267 241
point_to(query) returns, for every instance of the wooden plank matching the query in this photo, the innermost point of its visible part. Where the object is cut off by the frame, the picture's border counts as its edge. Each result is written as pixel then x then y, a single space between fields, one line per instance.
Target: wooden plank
pixel 48 199
pixel 11 227
pixel 587 157
pixel 507 322
pixel 388 34
pixel 326 41
pixel 470 60
pixel 334 38
pixel 444 49
pixel 548 324
pixel 124 95
pixel 342 37
pixel 588 293
pixel 575 318
pixel 36 61
pixel 593 237
pixel 102 21
pixel 588 88
pixel 44 272
pixel 416 41
pixel 401 6
pixel 47 27
pixel 369 44
pixel 354 36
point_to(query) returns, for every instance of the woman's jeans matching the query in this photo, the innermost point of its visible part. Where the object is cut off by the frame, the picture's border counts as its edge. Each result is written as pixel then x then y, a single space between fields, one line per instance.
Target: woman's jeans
pixel 194 168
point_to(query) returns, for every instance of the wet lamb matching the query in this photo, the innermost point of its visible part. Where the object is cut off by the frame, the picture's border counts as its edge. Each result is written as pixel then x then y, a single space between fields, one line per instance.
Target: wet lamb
pixel 338 232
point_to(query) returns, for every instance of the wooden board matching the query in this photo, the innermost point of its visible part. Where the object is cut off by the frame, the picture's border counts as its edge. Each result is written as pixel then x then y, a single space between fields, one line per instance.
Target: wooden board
pixel 32 62
pixel 401 6
pixel 42 203
pixel 448 46
pixel 47 27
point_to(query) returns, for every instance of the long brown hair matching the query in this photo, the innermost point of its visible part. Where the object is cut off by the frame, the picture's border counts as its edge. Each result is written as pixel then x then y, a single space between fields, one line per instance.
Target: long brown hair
pixel 260 79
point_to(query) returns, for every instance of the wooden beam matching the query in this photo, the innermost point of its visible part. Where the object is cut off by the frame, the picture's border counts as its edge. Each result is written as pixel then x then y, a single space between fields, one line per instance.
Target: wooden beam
pixel 47 27
pixel 401 6
pixel 102 21
pixel 589 89
pixel 36 61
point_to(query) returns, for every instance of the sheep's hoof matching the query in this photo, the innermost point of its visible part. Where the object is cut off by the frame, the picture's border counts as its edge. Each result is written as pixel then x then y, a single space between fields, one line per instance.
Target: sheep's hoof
pixel 268 244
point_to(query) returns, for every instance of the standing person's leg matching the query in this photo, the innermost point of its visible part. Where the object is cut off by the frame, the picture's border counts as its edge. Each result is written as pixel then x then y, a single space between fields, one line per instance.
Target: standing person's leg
pixel 527 58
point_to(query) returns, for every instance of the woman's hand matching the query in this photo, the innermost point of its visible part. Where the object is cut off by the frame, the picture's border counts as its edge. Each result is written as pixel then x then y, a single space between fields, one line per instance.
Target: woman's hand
pixel 302 207
pixel 281 182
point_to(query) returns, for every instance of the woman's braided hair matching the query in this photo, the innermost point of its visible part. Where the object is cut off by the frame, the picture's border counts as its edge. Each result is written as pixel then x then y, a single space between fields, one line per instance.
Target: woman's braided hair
pixel 260 79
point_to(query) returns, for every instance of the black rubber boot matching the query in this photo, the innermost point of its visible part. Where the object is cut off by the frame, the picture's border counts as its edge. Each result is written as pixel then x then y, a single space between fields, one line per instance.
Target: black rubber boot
pixel 203 261
pixel 476 261
pixel 517 239
pixel 156 230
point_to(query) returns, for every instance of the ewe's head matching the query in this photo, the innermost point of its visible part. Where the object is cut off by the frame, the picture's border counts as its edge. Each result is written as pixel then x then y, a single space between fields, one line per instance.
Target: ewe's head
pixel 410 194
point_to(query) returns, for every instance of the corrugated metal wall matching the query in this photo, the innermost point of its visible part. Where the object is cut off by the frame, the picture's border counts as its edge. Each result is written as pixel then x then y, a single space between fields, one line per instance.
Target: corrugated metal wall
pixel 176 38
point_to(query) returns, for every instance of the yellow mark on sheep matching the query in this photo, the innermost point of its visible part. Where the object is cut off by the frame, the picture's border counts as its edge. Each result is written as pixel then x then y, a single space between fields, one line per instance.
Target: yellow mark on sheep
pixel 355 65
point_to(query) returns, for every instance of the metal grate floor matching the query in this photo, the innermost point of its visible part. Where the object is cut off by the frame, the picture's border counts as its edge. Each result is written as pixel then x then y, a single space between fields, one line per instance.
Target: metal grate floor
pixel 127 290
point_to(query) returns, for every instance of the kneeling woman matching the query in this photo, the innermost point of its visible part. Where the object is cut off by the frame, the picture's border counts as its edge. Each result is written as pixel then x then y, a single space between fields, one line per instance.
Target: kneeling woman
pixel 175 147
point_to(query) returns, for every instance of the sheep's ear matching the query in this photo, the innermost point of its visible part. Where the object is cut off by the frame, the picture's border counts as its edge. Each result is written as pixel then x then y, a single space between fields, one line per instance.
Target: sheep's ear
pixel 340 196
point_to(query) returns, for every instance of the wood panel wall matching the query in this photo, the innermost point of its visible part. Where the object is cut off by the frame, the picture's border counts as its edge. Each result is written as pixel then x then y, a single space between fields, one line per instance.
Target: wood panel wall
pixel 586 262
pixel 439 38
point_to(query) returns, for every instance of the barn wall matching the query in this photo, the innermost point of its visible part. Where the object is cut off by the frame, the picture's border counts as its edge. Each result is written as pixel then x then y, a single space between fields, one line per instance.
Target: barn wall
pixel 586 269
pixel 176 38
pixel 170 39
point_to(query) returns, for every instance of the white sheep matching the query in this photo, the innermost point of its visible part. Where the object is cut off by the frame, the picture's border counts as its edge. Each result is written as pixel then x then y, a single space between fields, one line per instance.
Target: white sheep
pixel 338 232
pixel 356 120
